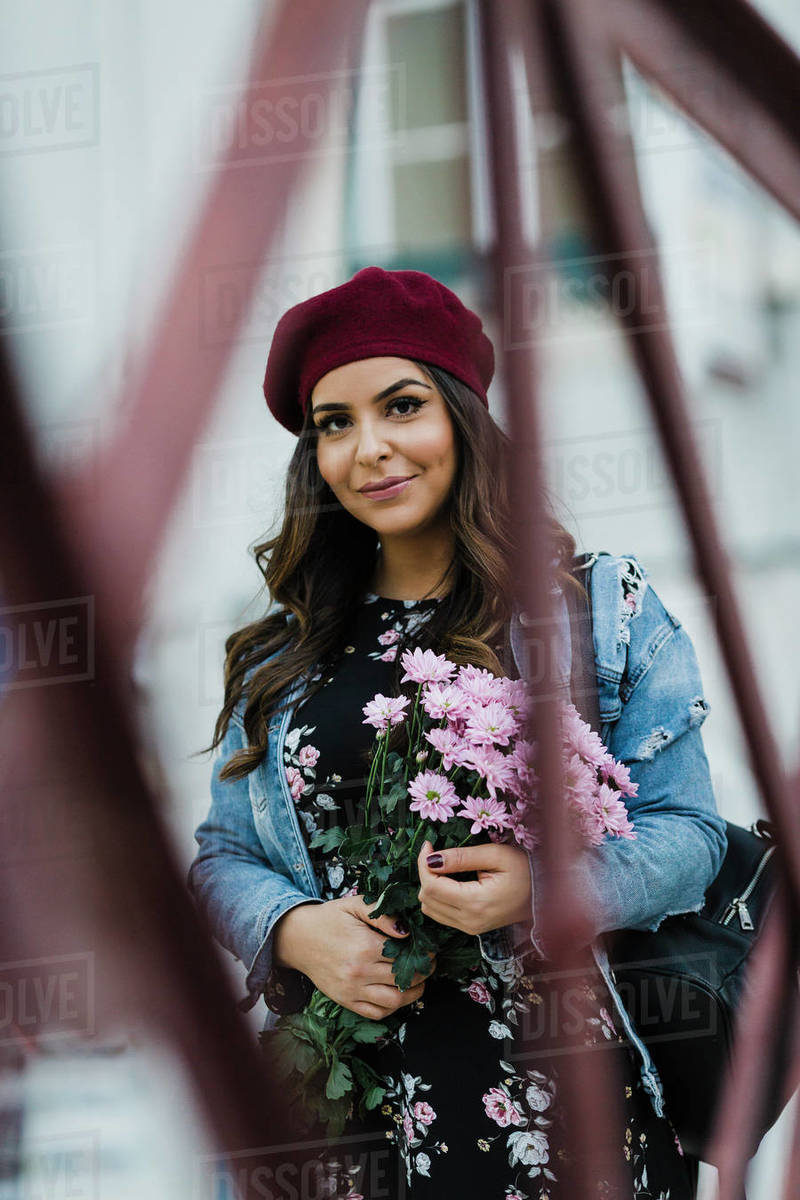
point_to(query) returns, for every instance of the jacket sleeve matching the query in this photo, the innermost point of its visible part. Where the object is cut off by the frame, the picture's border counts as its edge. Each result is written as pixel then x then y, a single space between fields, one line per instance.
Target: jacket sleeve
pixel 240 894
pixel 680 836
pixel 648 672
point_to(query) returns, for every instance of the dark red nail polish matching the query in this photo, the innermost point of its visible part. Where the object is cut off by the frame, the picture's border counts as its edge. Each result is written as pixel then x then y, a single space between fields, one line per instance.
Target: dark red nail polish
pixel 434 860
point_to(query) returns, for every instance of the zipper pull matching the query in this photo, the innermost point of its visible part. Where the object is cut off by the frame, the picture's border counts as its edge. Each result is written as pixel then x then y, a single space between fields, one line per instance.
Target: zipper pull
pixel 744 916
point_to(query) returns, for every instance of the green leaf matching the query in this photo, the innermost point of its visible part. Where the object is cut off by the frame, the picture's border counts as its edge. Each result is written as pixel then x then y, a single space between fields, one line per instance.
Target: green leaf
pixel 346 1019
pixel 369 1032
pixel 306 1057
pixel 394 764
pixel 407 961
pixel 340 1080
pixel 390 800
pixel 364 1074
pixel 374 1096
pixel 317 1031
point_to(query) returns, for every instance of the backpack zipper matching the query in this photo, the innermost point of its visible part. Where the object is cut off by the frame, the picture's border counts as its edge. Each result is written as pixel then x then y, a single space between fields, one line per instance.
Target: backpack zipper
pixel 739 903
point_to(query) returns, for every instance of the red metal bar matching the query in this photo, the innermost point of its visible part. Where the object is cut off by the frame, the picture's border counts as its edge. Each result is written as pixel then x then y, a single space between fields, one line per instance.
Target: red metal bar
pixel 791 1182
pixel 730 71
pixel 591 1100
pixel 583 53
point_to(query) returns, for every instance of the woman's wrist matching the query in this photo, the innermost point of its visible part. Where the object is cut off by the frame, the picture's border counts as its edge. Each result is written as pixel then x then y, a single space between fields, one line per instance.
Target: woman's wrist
pixel 288 942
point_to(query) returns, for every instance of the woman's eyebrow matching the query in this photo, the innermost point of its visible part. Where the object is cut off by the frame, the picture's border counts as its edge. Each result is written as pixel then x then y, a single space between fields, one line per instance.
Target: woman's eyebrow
pixel 337 406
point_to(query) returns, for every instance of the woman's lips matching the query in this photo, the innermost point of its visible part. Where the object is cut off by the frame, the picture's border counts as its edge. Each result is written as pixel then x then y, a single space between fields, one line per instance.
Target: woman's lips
pixel 387 490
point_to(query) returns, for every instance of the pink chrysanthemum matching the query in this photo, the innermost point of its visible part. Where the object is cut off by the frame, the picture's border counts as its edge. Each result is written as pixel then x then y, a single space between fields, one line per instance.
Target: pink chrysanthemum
pixel 479 684
pixel 617 773
pixel 590 824
pixel 491 724
pixel 423 666
pixel 433 796
pixel 492 765
pixel 515 693
pixel 383 711
pixel 523 835
pixel 449 745
pixel 485 814
pixel 443 700
pixel 580 780
pixel 523 757
pixel 581 738
pixel 613 812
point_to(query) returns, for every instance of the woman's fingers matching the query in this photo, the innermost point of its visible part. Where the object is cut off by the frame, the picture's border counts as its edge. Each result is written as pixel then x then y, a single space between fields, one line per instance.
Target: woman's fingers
pixel 385 975
pixel 391 925
pixel 371 1011
pixel 391 998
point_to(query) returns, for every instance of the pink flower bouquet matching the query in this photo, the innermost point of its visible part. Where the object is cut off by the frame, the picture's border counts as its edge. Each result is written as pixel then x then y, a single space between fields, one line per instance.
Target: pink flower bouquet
pixel 467 775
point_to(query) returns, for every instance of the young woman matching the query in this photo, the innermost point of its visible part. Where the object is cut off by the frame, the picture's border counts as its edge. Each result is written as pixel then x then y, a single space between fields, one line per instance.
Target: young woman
pixel 397 532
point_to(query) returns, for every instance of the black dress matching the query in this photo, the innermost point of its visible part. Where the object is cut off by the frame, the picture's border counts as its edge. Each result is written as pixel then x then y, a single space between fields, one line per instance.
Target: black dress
pixel 465 1114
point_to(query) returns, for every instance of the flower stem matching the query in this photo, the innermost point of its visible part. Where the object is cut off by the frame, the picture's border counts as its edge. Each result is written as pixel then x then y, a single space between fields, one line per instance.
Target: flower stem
pixel 383 757
pixel 422 825
pixel 371 781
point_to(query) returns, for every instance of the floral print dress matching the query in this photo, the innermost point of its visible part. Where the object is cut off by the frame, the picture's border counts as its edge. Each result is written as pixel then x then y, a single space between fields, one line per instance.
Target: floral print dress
pixel 467 1111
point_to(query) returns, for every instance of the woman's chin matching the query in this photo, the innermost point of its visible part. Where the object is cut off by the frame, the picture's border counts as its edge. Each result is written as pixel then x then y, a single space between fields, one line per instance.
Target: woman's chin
pixel 393 524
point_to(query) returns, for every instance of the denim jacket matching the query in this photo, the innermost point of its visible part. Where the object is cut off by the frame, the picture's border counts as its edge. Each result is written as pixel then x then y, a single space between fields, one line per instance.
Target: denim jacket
pixel 253 866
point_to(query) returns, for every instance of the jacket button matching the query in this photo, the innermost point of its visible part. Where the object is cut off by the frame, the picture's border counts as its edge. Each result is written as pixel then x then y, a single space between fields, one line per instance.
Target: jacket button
pixel 297 866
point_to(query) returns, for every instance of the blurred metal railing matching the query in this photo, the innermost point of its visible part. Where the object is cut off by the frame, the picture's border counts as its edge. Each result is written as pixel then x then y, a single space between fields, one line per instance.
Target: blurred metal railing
pixel 70 750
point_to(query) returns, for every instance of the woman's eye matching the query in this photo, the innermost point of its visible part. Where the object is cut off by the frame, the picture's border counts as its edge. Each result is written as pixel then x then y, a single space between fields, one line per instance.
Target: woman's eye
pixel 405 405
pixel 328 424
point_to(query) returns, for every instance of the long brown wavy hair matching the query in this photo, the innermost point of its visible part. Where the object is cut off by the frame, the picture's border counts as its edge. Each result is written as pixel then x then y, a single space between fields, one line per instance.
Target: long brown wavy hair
pixel 321 562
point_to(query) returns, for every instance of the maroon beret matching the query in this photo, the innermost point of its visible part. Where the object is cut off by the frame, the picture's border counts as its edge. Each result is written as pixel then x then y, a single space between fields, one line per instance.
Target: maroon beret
pixel 404 314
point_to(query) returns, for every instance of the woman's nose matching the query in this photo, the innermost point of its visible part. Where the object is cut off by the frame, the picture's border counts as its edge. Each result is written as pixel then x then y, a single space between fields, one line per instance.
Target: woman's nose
pixel 371 446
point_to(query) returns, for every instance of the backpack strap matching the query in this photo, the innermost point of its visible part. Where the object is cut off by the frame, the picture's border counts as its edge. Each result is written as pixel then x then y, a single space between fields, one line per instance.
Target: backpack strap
pixel 583 677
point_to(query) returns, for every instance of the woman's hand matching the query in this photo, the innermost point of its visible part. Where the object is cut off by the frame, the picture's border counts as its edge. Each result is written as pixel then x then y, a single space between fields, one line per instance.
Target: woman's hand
pixel 339 948
pixel 499 896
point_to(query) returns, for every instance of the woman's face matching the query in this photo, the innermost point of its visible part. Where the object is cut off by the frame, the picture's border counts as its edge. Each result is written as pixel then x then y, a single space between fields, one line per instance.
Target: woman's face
pixel 385 444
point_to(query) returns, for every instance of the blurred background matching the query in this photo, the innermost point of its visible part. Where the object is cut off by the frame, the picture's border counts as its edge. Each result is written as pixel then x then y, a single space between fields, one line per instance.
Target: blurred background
pixel 113 118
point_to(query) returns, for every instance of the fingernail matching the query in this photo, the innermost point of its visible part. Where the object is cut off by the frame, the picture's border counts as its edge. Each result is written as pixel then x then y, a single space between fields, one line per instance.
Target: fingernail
pixel 434 860
pixel 400 925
